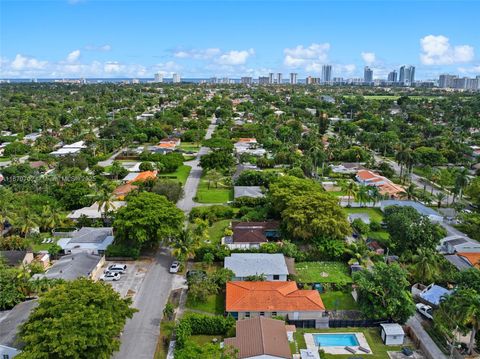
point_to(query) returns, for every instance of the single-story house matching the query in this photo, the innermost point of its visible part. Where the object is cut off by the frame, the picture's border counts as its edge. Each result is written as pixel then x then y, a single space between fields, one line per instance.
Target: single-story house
pixel 123 190
pixel 392 334
pixel 251 234
pixel 94 212
pixel 458 244
pixel 71 149
pixel 275 298
pixel 461 263
pixel 260 338
pixel 172 140
pixel 247 191
pixel 9 324
pixel 16 258
pixel 472 258
pixel 272 266
pixel 432 294
pixel 89 240
pixel 139 176
pixel 242 168
pixel 433 215
pixel 73 266
pixel 384 185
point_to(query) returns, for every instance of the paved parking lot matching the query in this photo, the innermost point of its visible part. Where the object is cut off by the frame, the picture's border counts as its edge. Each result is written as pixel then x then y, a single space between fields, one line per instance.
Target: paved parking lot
pixel 130 282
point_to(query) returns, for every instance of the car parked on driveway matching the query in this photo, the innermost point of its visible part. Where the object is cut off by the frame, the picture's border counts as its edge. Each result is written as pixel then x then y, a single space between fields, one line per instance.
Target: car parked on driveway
pixel 175 267
pixel 425 310
pixel 118 268
pixel 110 276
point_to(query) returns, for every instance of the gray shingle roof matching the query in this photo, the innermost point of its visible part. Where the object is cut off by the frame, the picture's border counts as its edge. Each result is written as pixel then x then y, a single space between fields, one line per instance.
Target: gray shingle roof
pixel 246 264
pixel 248 191
pixel 9 324
pixel 72 266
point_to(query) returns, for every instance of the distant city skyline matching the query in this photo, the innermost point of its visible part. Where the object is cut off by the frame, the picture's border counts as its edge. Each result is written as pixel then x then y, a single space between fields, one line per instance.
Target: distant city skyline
pixel 114 39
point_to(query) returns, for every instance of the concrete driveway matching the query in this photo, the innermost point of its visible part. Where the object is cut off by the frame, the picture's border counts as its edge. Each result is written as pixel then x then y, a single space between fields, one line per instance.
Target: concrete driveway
pixel 130 282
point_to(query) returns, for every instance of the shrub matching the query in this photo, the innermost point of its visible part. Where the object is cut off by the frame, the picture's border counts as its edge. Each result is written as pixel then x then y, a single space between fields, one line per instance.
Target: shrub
pixel 211 213
pixel 360 226
pixel 122 250
pixel 375 226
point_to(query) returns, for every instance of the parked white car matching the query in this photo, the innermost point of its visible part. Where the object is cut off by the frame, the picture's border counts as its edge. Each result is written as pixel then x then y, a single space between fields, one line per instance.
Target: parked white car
pixel 174 268
pixel 118 268
pixel 425 310
pixel 110 276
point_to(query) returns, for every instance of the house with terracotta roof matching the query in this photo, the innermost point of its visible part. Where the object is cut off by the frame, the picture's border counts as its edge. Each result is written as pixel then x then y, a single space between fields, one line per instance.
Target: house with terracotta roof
pixel 472 258
pixel 269 299
pixel 384 185
pixel 172 140
pixel 139 176
pixel 123 190
pixel 260 338
pixel 251 234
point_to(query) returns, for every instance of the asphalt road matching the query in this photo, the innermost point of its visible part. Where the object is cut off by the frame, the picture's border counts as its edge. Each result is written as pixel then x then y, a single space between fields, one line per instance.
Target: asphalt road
pixel 140 335
pixel 416 179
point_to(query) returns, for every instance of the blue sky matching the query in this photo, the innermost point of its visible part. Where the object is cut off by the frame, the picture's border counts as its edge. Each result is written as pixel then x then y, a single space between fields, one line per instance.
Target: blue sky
pixel 92 38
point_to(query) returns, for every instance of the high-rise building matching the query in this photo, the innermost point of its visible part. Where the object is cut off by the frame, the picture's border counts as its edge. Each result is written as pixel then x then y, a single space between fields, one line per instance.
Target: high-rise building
pixel 158 77
pixel 271 76
pixel 312 80
pixel 279 78
pixel 293 78
pixel 407 75
pixel 246 80
pixel 392 76
pixel 176 78
pixel 327 74
pixel 367 75
pixel 135 81
pixel 263 80
pixel 446 81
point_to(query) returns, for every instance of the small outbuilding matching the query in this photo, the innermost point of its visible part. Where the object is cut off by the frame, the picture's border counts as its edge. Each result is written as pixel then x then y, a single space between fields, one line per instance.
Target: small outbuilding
pixel 392 334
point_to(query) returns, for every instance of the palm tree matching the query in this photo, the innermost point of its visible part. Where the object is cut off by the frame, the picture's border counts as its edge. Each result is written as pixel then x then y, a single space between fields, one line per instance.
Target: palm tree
pixel 463 307
pixel 26 221
pixel 439 197
pixel 362 195
pixel 426 265
pixel 7 215
pixel 410 192
pixel 461 181
pixel 184 245
pixel 360 253
pixel 375 195
pixel 350 188
pixel 105 201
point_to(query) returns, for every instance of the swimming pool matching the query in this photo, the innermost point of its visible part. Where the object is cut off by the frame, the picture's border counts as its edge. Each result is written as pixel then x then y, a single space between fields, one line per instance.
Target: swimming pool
pixel 335 340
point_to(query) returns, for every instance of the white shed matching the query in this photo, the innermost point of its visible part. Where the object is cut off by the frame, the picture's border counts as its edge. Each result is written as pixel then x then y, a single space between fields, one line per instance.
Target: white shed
pixel 392 334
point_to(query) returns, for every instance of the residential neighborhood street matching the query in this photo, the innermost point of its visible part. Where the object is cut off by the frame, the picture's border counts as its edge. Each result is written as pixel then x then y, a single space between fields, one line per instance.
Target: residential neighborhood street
pixel 140 335
pixel 139 339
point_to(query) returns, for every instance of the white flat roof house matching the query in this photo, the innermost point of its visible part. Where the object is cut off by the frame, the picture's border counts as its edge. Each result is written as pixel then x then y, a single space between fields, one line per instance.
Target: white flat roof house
pixel 392 334
pixel 69 149
pixel 94 212
pixel 272 266
pixel 88 240
pixel 433 215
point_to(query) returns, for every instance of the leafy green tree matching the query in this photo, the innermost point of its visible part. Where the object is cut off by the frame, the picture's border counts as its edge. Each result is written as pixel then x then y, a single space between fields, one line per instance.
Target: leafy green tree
pixel 169 188
pixel 77 319
pixel 10 293
pixel 409 229
pixel 425 265
pixel 219 160
pixel 148 218
pixel 315 215
pixel 469 279
pixel 383 292
pixel 213 176
pixel 183 245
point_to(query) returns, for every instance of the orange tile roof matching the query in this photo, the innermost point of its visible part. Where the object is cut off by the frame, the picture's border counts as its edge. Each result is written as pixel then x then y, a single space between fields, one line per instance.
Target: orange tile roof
pixel 366 174
pixel 143 176
pixel 247 139
pixel 123 190
pixel 271 296
pixel 473 258
pixel 166 145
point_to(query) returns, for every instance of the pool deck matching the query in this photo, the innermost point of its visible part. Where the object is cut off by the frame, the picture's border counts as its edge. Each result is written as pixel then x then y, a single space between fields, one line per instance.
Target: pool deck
pixel 362 341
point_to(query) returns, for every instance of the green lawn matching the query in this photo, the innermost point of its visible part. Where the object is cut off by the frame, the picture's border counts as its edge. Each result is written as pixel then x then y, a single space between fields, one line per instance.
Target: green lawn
pixel 205 339
pixel 216 230
pixel 379 235
pixel 215 304
pixel 336 300
pixel 379 350
pixel 181 173
pixel 189 146
pixel 213 194
pixel 322 272
pixel 38 246
pixel 374 213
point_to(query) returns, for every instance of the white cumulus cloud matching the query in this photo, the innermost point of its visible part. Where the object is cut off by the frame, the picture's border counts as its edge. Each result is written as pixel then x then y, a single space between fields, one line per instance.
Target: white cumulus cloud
pixel 368 57
pixel 437 50
pixel 311 57
pixel 198 54
pixel 235 57
pixel 101 48
pixel 73 56
pixel 27 63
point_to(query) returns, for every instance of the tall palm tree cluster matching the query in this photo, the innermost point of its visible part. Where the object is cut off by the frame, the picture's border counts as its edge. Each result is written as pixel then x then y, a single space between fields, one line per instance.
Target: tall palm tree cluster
pixel 362 194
